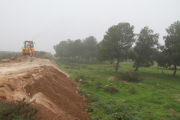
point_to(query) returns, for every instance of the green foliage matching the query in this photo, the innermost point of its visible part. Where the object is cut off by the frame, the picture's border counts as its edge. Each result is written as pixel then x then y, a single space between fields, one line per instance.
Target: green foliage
pixel 44 55
pixel 19 110
pixel 77 50
pixel 132 90
pixel 145 48
pixel 84 92
pixel 92 99
pixel 116 43
pixel 170 54
pixel 115 110
pixel 130 76
pixel 111 90
pixel 153 100
pixel 8 55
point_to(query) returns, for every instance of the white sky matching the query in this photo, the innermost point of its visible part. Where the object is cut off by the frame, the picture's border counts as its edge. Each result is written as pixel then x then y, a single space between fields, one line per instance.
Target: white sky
pixel 47 22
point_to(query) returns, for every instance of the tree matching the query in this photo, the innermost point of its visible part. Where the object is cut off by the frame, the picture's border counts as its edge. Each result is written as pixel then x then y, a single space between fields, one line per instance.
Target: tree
pixel 116 43
pixel 59 48
pixel 172 46
pixel 90 45
pixel 77 49
pixel 145 48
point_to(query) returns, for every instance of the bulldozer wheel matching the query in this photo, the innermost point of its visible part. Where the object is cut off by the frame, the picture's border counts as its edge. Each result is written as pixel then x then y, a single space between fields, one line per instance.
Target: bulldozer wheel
pixel 24 54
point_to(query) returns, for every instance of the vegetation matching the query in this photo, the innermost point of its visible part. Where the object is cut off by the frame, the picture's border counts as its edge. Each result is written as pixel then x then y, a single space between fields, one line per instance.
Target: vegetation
pixel 131 76
pixel 117 46
pixel 19 110
pixel 125 95
pixel 155 97
pixel 8 55
pixel 170 54
pixel 145 48
pixel 44 55
pixel 77 50
pixel 41 54
pixel 116 43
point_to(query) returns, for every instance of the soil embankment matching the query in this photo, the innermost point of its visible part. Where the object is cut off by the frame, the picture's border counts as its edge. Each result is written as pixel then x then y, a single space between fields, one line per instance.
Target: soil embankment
pixel 44 85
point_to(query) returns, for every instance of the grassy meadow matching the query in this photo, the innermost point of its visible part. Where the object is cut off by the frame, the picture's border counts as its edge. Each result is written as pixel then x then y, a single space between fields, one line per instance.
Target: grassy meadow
pixel 156 97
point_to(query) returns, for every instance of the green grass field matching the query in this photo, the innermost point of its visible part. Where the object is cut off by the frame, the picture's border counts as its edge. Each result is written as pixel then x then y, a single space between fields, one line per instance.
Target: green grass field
pixel 156 97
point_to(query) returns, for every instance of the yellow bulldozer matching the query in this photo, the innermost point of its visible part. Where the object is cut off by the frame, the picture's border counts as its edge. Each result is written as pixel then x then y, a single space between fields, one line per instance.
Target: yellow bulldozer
pixel 28 49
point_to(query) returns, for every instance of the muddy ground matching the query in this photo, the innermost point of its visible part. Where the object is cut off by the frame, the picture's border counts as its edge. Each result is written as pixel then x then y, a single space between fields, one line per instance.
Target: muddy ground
pixel 44 85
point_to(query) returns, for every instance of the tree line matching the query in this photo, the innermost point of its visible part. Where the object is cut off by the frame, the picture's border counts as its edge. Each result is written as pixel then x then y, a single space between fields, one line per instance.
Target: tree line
pixel 77 50
pixel 121 43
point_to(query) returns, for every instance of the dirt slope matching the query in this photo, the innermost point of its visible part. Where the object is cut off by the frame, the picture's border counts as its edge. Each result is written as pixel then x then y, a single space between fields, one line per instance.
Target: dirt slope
pixel 45 86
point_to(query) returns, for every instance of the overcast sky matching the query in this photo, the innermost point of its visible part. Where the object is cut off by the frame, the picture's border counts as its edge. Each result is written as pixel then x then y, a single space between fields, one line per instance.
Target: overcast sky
pixel 47 22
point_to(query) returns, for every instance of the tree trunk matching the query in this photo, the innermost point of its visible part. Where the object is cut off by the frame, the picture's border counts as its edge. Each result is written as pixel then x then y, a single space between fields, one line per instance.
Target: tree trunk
pixel 136 69
pixel 174 70
pixel 117 65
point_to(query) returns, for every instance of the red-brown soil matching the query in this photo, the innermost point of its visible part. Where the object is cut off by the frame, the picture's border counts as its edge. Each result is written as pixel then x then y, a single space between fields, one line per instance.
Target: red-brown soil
pixel 45 86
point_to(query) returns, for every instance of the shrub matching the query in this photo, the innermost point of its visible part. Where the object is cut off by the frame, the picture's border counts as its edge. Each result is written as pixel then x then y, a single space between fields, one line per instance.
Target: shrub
pixel 92 79
pixel 123 111
pixel 110 102
pixel 82 77
pixel 108 110
pixel 93 99
pixel 99 87
pixel 87 83
pixel 90 108
pixel 111 90
pixel 98 84
pixel 17 110
pixel 130 76
pixel 121 116
pixel 66 67
pixel 84 66
pixel 77 79
pixel 132 90
pixel 84 92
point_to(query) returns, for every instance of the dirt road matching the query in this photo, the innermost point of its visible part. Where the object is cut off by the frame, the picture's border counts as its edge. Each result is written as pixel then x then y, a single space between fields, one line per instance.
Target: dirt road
pixel 45 86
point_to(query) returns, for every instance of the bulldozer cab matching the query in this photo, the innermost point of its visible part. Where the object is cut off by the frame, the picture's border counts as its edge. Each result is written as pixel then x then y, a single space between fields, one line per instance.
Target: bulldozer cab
pixel 28 43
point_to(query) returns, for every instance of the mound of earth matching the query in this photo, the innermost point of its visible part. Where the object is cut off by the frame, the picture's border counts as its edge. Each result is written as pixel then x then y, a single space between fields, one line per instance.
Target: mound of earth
pixel 21 59
pixel 44 85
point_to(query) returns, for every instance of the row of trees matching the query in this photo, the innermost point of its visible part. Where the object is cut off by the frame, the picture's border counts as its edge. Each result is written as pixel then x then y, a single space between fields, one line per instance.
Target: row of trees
pixel 77 49
pixel 117 45
pixel 120 38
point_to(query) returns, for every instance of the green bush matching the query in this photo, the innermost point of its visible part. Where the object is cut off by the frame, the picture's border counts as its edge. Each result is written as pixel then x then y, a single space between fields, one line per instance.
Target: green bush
pixel 130 76
pixel 92 99
pixel 132 90
pixel 119 111
pixel 18 110
pixel 99 87
pixel 111 90
pixel 110 102
pixel 84 92
pixel 77 79
pixel 108 109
